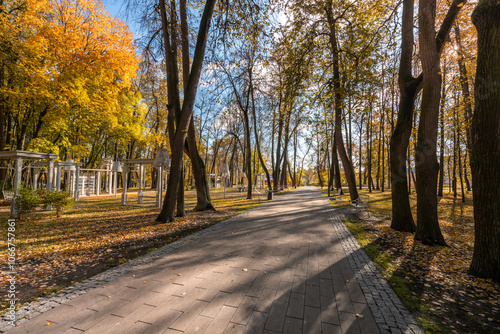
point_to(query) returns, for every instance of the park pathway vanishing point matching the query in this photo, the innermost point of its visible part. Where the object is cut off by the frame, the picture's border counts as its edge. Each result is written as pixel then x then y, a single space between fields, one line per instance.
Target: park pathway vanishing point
pixel 280 268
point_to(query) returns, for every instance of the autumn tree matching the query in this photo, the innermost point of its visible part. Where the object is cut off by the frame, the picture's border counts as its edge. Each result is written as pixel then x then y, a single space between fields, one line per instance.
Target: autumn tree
pixel 66 83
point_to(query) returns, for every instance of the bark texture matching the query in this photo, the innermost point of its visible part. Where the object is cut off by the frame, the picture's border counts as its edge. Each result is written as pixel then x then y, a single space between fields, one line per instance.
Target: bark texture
pixel 485 139
pixel 428 230
pixel 402 219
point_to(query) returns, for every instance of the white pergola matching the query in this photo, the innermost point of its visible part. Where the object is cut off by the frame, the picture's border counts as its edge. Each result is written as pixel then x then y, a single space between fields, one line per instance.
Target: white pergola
pixel 18 157
pixel 160 162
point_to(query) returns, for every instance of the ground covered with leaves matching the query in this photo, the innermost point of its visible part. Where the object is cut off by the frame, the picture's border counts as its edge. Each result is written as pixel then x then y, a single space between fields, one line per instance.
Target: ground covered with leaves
pixel 97 234
pixel 432 281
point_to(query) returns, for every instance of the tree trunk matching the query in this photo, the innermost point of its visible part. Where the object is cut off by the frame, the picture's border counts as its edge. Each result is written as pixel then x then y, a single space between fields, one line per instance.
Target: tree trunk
pixel 369 129
pixel 441 144
pixel 428 230
pixel 346 163
pixel 337 177
pixel 485 140
pixel 408 85
pixel 199 171
pixel 186 114
pixel 402 219
pixel 464 83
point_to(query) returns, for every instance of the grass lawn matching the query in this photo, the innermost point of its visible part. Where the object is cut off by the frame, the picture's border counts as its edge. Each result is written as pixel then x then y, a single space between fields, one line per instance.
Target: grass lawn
pixel 97 234
pixel 432 281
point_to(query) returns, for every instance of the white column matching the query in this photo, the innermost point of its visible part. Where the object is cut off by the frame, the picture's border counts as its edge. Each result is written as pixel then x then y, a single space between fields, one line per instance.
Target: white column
pixel 58 178
pixel 141 181
pixel 18 170
pixel 50 174
pixel 159 188
pixel 77 183
pixel 34 176
pixel 115 183
pixel 98 184
pixel 125 179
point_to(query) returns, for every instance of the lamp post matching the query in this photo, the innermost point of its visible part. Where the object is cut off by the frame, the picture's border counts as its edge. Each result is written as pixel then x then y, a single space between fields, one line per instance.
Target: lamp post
pixel 225 173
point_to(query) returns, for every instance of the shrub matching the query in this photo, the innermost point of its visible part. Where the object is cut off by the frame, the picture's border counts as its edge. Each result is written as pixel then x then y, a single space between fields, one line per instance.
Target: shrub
pixel 60 200
pixel 25 200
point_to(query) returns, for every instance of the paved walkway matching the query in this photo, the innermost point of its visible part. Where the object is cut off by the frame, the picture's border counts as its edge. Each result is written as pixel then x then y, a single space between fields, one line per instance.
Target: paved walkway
pixel 289 266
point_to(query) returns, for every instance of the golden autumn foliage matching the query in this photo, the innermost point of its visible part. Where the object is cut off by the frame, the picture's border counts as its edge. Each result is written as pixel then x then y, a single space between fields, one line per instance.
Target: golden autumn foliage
pixel 66 74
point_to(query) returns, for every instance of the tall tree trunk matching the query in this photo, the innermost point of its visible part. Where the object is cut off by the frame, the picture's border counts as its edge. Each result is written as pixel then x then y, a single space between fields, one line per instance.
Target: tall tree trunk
pixel 428 230
pixel 402 219
pixel 248 152
pixel 360 151
pixel 460 166
pixel 485 140
pixel 464 83
pixel 441 129
pixel 166 213
pixel 346 163
pixel 467 183
pixel 337 177
pixel 199 170
pixel 409 86
pixel 257 142
pixel 455 156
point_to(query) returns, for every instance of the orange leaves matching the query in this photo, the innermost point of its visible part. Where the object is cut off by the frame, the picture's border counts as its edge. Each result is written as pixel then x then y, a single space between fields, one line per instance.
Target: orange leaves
pixel 72 61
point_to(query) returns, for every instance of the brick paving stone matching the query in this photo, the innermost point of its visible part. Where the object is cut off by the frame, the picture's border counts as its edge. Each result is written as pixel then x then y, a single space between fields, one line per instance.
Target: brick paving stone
pixel 312 296
pixel 185 319
pixel 329 311
pixel 233 328
pixel 330 329
pixel 266 300
pixel 159 325
pixel 138 327
pixel 237 296
pixel 293 326
pixel 296 306
pixel 256 323
pixel 119 324
pixel 312 319
pixel 215 304
pixel 244 311
pixel 199 325
pixel 221 320
pixel 276 317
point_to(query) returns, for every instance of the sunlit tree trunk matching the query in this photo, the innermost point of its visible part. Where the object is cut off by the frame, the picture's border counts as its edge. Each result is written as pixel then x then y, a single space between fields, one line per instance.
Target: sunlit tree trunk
pixel 186 114
pixel 402 219
pixel 346 163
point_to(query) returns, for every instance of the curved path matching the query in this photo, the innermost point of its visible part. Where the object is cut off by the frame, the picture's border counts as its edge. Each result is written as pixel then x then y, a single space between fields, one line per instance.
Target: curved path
pixel 288 266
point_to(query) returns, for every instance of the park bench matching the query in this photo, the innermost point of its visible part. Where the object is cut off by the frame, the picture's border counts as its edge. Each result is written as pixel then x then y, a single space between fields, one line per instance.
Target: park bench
pixel 361 202
pixel 241 188
pixel 8 195
pixel 337 195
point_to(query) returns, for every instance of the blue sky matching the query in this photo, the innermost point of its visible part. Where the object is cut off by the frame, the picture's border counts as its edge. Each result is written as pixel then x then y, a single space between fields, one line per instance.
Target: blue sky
pixel 117 9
